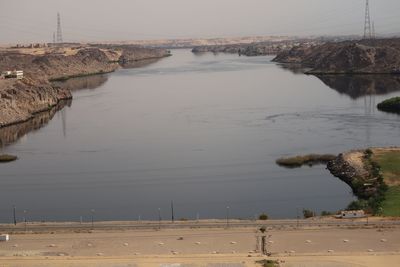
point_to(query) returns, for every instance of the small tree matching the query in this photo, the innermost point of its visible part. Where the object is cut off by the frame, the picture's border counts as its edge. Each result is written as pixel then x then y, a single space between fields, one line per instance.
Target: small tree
pixel 263 217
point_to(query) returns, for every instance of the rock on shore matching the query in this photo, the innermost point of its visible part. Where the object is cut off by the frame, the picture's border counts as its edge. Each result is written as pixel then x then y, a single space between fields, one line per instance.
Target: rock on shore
pixel 351 168
pixel 349 57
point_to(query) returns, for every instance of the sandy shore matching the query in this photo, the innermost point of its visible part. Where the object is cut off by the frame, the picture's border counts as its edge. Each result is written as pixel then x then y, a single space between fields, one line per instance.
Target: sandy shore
pixel 334 247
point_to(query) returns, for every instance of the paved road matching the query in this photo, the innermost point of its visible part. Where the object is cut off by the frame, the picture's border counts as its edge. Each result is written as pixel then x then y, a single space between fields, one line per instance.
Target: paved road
pixel 146 225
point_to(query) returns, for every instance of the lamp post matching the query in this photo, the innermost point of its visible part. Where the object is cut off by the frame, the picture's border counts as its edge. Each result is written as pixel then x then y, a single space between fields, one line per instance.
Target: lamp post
pixel 172 212
pixel 14 213
pixel 227 217
pixel 25 220
pixel 92 211
pixel 159 218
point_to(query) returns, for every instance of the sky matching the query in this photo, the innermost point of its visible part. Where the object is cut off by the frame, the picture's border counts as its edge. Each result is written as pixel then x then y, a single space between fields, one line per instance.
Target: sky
pixel 25 21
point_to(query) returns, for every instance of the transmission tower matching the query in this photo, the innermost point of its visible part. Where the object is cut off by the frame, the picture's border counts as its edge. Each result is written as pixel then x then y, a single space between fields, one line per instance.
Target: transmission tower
pixel 59 32
pixel 367 24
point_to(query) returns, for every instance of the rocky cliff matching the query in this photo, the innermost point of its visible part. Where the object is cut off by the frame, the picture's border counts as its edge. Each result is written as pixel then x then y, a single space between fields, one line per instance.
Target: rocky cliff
pixel 351 57
pixel 254 49
pixel 21 99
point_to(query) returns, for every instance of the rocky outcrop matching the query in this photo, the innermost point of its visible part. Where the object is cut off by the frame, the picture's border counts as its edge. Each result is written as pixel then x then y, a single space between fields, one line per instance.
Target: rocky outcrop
pixel 132 53
pixel 21 99
pixel 350 57
pixel 351 167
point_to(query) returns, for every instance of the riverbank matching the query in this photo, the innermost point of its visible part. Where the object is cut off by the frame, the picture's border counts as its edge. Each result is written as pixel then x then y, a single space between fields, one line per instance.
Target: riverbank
pixel 204 247
pixel 22 99
pixel 264 48
pixel 373 174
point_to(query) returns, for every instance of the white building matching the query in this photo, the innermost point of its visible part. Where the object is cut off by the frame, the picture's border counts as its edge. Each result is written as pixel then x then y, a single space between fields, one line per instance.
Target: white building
pixel 4 237
pixel 350 214
pixel 18 74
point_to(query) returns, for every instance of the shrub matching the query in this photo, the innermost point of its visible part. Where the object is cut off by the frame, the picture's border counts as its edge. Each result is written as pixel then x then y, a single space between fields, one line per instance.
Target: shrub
pixel 358 205
pixel 390 105
pixel 263 217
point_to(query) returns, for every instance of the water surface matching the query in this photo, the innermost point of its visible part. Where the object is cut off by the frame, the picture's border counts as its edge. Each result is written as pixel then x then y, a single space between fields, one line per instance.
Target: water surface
pixel 201 131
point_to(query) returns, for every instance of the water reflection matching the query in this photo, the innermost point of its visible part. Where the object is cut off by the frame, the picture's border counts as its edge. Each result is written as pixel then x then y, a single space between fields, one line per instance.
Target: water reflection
pixel 12 133
pixel 79 83
pixel 138 64
pixel 357 86
pixel 294 68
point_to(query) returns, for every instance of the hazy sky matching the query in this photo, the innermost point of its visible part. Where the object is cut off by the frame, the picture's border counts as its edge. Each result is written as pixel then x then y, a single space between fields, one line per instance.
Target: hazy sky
pixel 95 20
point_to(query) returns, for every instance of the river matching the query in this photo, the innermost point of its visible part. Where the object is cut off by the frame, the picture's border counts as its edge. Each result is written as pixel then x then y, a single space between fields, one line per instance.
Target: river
pixel 203 131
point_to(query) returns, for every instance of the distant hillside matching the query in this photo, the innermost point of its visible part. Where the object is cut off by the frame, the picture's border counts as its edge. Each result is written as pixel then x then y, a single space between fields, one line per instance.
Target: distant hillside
pixel 350 57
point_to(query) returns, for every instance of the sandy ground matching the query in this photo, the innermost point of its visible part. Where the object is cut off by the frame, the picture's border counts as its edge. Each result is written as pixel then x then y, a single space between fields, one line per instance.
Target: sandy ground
pixel 204 247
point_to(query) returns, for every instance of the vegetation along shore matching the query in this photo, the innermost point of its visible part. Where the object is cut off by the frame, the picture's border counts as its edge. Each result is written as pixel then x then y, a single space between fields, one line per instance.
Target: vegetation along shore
pixel 373 174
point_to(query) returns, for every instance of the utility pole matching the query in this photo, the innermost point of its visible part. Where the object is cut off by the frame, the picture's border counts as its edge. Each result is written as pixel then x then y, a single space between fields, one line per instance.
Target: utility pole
pixel 59 32
pixel 367 23
pixel 172 212
pixel 159 218
pixel 15 216
pixel 25 220
pixel 227 217
pixel 92 213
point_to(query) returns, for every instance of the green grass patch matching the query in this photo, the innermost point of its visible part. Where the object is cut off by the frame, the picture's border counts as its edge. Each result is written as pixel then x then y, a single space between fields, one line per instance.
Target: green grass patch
pixel 389 163
pixel 391 204
pixel 310 160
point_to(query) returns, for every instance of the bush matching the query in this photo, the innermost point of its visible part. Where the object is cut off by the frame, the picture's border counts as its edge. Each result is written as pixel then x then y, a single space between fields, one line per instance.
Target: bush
pixel 308 213
pixel 310 160
pixel 358 205
pixel 263 217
